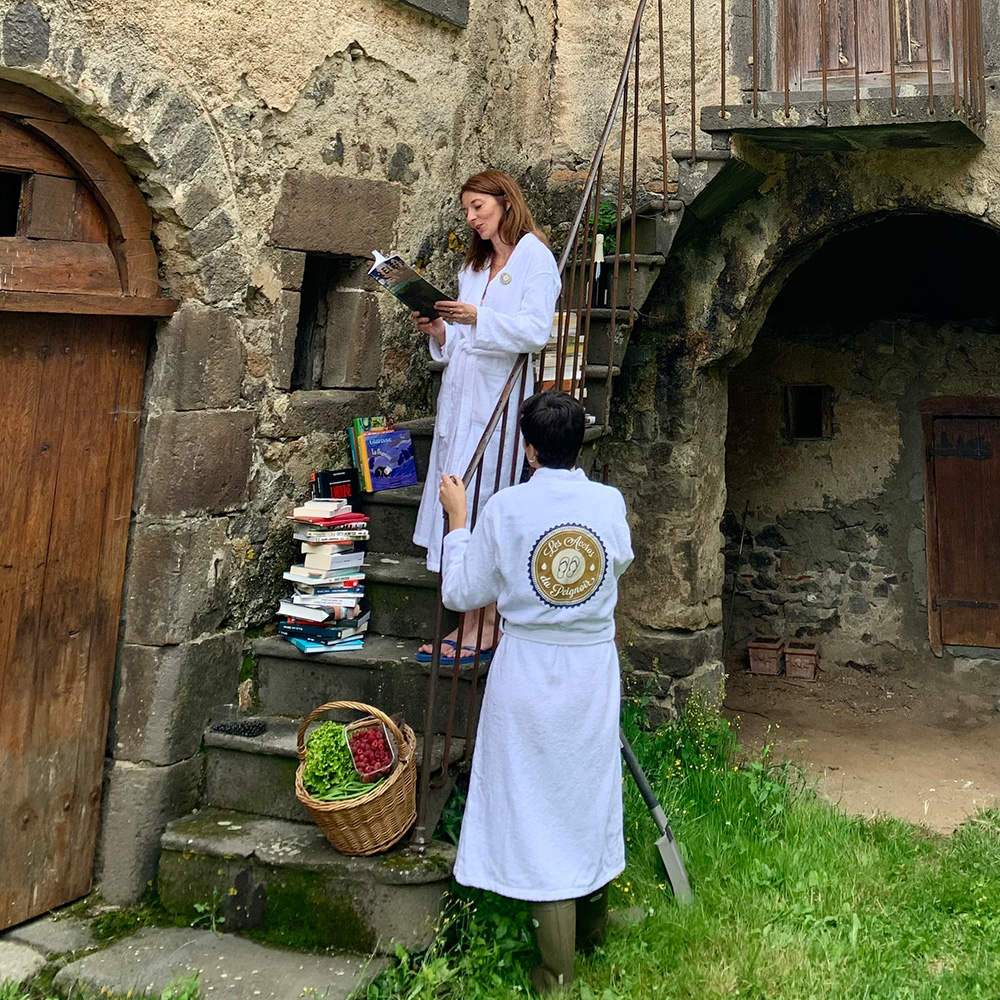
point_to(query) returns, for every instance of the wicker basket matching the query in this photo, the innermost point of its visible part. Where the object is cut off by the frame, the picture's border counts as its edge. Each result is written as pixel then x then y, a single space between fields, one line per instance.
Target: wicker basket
pixel 374 821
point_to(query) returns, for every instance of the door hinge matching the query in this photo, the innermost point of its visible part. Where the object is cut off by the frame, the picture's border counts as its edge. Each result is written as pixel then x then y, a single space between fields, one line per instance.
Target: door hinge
pixel 947 602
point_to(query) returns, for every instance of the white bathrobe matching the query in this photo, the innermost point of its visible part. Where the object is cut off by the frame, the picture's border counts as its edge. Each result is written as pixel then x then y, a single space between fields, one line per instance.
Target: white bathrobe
pixel 543 818
pixel 514 316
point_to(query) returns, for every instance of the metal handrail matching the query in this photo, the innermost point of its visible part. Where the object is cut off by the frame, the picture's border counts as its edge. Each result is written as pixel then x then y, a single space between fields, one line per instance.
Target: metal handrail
pixel 572 259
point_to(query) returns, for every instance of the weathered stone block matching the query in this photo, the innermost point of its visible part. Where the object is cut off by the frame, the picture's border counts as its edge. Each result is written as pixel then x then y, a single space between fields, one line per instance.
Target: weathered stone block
pixel 196 461
pixel 199 360
pixel 284 878
pixel 454 11
pixel 178 581
pixel 137 805
pixel 18 963
pixel 286 324
pixel 211 234
pixel 195 203
pixel 224 274
pixel 165 695
pixel 325 410
pixel 288 266
pixel 25 35
pixel 353 357
pixel 339 215
pixel 672 653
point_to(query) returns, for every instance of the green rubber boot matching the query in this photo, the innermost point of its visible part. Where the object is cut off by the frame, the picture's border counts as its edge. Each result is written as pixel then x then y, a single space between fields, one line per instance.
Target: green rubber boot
pixel 555 925
pixel 592 920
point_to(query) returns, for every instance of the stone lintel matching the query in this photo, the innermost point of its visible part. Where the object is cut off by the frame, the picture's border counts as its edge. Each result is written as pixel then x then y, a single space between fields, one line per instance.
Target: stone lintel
pixel 328 411
pixel 673 652
pixel 337 215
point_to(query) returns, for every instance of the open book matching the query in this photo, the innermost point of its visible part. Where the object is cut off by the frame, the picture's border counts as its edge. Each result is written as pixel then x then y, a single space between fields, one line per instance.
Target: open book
pixel 396 276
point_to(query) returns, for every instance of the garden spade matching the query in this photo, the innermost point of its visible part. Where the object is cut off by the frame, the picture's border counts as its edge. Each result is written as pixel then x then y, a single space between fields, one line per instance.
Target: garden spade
pixel 666 845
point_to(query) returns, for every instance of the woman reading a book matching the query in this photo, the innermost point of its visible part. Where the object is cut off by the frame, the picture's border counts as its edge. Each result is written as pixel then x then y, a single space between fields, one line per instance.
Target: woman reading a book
pixel 507 291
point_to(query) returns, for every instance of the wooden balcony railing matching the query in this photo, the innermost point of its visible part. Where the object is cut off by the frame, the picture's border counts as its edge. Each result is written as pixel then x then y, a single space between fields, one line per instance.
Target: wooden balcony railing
pixel 907 54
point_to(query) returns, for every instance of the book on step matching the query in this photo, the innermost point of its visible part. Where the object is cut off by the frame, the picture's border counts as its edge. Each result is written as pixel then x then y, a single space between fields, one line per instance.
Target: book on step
pixel 320 508
pixel 390 458
pixel 325 560
pixel 335 484
pixel 308 646
pixel 410 287
pixel 314 588
pixel 313 613
pixel 320 536
pixel 298 573
pixel 318 633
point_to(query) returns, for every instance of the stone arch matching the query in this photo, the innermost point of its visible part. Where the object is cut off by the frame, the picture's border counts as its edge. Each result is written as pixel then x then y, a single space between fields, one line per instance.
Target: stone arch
pixel 163 135
pixel 41 124
pixel 710 302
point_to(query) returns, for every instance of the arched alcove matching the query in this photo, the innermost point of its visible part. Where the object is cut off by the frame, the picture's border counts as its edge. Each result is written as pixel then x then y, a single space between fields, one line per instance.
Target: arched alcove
pixel 78 289
pixel 830 458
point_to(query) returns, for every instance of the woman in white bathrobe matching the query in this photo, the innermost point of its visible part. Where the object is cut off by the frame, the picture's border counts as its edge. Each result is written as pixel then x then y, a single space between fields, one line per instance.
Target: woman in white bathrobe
pixel 543 818
pixel 507 292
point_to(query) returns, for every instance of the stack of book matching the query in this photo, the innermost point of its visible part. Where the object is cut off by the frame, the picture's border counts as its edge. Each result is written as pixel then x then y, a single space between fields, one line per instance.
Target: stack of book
pixel 324 613
pixel 383 456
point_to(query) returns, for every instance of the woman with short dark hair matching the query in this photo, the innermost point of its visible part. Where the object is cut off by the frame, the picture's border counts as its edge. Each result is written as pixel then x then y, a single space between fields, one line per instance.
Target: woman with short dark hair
pixel 543 818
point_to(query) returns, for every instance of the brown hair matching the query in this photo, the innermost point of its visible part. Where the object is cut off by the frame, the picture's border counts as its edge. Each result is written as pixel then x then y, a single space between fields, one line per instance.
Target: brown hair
pixel 517 220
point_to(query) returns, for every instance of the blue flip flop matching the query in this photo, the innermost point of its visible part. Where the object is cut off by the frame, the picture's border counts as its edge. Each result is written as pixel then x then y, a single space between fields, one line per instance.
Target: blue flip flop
pixel 468 659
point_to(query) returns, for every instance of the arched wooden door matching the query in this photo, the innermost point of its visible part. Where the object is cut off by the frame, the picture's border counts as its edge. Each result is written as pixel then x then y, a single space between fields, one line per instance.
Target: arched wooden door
pixel 77 289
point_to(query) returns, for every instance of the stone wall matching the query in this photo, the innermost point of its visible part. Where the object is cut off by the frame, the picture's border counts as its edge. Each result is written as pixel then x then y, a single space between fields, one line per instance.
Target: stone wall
pixel 260 135
pixel 834 546
pixel 670 406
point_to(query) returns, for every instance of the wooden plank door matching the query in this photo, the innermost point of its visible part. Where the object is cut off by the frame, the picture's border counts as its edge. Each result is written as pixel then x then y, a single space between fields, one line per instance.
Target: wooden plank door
pixel 807 55
pixel 70 400
pixel 963 529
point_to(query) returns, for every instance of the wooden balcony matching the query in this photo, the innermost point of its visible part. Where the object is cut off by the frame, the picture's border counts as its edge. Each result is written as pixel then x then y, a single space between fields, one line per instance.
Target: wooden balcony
pixel 818 75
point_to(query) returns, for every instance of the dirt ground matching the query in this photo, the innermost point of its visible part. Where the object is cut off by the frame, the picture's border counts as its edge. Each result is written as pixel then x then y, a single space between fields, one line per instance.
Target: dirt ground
pixel 905 746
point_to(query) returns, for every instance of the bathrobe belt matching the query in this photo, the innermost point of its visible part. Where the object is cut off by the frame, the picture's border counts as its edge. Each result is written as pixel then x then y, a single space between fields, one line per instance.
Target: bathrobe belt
pixel 557 636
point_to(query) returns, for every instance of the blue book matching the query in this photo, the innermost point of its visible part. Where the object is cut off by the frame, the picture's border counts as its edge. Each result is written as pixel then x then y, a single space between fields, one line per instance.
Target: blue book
pixel 390 459
pixel 305 646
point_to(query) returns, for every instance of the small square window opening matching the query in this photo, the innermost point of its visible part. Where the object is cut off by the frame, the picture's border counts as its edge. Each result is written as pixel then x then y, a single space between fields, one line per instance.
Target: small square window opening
pixel 10 203
pixel 809 412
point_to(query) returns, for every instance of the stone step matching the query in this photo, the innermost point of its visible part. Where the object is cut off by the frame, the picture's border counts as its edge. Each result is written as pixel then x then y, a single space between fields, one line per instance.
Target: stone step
pixel 151 962
pixel 384 673
pixel 402 593
pixel 597 388
pixel 284 880
pixel 597 343
pixel 393 516
pixel 257 775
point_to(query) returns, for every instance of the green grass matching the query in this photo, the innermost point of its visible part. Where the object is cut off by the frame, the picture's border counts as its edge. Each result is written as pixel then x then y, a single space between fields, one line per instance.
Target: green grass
pixel 793 900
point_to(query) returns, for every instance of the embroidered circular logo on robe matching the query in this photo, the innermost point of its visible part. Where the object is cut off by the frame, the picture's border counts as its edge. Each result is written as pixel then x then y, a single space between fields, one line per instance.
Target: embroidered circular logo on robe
pixel 505 278
pixel 567 565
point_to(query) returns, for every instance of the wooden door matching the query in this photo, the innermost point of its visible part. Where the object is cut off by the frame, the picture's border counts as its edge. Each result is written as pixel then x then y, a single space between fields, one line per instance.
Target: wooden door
pixel 70 400
pixel 874 43
pixel 962 452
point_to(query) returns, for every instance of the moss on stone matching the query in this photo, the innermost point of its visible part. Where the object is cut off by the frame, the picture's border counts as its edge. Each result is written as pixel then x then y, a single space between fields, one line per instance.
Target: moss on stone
pixel 304 915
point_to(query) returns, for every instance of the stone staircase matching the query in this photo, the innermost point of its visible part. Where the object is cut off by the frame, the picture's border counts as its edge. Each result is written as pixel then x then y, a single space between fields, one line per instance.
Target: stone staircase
pixel 250 853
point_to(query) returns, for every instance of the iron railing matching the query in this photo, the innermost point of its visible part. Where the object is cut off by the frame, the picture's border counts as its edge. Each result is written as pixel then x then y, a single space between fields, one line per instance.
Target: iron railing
pixel 949 57
pixel 565 358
